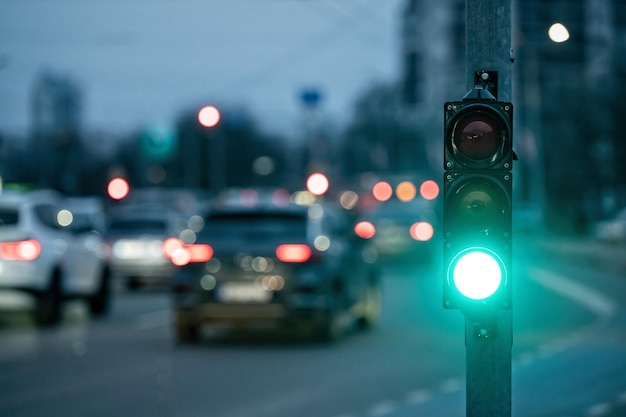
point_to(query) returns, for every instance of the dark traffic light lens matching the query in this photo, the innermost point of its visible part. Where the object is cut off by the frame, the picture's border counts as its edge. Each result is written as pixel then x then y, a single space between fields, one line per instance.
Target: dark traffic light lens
pixel 479 205
pixel 477 136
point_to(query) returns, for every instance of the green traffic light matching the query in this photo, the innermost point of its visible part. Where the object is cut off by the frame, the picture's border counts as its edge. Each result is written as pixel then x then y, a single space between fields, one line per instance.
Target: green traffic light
pixel 477 273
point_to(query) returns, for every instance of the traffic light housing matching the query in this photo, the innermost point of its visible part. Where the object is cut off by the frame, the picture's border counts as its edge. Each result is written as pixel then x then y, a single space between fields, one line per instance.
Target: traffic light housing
pixel 477 223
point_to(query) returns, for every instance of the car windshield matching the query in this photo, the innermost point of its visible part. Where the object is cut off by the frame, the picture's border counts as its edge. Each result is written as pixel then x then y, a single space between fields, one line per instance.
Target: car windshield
pixel 245 227
pixel 8 217
pixel 134 226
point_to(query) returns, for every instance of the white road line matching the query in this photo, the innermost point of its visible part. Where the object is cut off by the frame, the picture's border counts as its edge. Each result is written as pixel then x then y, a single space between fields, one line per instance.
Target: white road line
pixel 383 408
pixel 593 300
pixel 419 396
pixel 598 410
pixel 451 385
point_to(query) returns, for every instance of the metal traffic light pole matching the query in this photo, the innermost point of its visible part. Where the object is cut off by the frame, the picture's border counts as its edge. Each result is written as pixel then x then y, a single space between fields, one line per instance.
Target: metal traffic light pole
pixel 488 337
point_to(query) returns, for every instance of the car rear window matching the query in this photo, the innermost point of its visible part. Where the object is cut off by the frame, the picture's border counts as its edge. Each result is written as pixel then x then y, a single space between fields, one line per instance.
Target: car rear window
pixel 8 217
pixel 133 226
pixel 256 226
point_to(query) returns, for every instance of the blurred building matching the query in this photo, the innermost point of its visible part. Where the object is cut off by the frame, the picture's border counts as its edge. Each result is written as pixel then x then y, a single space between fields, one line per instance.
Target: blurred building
pixel 56 117
pixel 568 94
pixel 432 65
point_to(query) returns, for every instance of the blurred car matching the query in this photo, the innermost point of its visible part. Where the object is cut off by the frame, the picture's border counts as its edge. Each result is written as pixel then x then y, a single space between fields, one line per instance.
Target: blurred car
pixel 291 267
pixel 48 254
pixel 135 236
pixel 403 231
pixel 612 230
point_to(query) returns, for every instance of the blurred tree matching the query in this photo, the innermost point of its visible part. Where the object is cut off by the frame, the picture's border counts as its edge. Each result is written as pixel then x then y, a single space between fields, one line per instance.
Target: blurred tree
pixel 378 138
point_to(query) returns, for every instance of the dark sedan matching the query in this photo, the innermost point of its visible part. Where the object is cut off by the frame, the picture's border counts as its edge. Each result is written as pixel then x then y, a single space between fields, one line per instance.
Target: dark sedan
pixel 292 267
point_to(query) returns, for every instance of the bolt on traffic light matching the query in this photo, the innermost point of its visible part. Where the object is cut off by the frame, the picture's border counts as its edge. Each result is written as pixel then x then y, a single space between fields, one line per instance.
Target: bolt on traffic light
pixel 477 228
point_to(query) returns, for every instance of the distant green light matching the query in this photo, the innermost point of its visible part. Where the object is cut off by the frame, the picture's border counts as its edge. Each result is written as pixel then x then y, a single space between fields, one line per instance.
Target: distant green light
pixel 477 273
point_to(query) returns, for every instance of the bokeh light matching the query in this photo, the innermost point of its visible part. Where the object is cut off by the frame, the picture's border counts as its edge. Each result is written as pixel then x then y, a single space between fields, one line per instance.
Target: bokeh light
pixel 558 33
pixel 65 218
pixel 118 188
pixel 382 191
pixel 429 190
pixel 263 165
pixel 317 183
pixel 348 199
pixel 365 230
pixel 405 191
pixel 422 231
pixel 209 116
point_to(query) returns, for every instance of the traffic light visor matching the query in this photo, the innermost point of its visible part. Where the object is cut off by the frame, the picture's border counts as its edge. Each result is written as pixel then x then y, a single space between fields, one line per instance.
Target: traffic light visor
pixel 477 203
pixel 477 273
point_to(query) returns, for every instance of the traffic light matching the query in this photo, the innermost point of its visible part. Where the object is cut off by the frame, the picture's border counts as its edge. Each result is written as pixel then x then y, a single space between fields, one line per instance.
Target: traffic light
pixel 477 229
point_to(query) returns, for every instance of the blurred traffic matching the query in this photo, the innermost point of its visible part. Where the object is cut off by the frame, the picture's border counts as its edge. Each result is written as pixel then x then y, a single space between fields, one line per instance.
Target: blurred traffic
pixel 307 261
pixel 51 249
pixel 204 204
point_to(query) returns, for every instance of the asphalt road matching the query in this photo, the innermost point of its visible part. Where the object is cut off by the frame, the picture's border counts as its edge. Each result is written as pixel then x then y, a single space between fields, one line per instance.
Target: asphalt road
pixel 569 354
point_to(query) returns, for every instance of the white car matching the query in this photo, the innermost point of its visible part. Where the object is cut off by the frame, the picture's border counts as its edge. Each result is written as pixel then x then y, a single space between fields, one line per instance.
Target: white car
pixel 49 254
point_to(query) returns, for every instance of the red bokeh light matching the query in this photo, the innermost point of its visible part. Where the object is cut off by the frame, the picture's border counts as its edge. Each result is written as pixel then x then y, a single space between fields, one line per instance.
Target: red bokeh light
pixel 118 188
pixel 422 231
pixel 382 191
pixel 209 116
pixel 429 190
pixel 317 183
pixel 365 230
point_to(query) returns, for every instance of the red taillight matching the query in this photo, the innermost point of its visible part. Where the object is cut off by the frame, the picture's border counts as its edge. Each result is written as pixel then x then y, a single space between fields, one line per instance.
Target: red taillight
pixel 293 253
pixel 25 250
pixel 171 245
pixel 191 253
pixel 199 253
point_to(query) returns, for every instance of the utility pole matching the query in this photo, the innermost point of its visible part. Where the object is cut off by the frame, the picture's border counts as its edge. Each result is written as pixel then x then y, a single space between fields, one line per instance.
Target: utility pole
pixel 488 338
pixel 478 206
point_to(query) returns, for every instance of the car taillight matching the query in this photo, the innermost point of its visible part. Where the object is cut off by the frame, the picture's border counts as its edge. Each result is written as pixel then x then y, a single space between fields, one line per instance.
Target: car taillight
pixel 191 253
pixel 171 245
pixel 25 250
pixel 293 253
pixel 199 252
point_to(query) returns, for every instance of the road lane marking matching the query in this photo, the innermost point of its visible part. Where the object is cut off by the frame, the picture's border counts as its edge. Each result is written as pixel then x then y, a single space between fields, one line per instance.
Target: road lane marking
pixel 452 385
pixel 593 300
pixel 383 408
pixel 418 396
pixel 598 410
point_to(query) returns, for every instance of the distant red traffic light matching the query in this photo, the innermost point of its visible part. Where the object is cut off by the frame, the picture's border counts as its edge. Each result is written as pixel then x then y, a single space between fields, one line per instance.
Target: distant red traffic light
pixel 209 116
pixel 118 188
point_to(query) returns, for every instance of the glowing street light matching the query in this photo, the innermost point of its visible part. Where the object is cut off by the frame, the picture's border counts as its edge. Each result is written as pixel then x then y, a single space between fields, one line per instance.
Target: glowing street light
pixel 558 33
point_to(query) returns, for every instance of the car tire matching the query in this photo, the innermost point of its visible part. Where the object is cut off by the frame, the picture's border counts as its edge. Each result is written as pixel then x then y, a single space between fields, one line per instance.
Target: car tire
pixel 50 304
pixel 100 302
pixel 187 331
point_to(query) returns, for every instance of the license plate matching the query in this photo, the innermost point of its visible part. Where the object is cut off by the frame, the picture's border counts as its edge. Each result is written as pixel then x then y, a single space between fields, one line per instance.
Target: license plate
pixel 243 292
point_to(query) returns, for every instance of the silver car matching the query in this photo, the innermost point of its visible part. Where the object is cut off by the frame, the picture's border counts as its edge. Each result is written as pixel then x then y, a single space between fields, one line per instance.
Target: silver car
pixel 135 237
